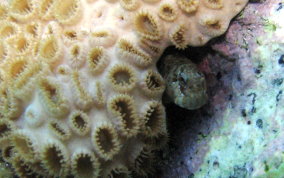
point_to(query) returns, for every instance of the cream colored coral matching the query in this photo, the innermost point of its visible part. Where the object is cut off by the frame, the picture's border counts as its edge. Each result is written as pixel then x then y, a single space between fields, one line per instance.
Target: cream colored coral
pixel 80 93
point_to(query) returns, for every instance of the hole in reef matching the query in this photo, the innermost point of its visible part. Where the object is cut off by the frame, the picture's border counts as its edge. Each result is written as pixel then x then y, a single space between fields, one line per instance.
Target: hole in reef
pixel 8 152
pixel 54 158
pixel 187 127
pixel 122 77
pixel 153 82
pixel 105 140
pixel 3 129
pixel 125 110
pixel 79 122
pixel 85 166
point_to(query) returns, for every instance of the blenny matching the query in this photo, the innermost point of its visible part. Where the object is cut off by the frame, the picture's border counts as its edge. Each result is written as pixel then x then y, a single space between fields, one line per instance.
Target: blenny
pixel 185 83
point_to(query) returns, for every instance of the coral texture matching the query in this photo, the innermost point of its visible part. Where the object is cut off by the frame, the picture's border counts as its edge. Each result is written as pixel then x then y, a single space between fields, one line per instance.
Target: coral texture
pixel 80 93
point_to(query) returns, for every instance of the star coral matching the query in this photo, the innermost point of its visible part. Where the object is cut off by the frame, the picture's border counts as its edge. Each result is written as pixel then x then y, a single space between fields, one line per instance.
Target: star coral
pixel 80 93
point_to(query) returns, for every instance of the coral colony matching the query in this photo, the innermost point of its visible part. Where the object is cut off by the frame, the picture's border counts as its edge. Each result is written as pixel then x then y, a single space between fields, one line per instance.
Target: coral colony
pixel 80 92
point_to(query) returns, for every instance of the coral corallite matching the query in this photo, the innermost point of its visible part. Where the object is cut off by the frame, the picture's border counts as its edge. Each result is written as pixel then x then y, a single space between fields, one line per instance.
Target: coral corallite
pixel 80 92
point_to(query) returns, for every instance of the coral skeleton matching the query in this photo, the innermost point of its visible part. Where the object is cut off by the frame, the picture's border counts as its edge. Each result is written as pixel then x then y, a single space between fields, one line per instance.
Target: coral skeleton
pixel 80 93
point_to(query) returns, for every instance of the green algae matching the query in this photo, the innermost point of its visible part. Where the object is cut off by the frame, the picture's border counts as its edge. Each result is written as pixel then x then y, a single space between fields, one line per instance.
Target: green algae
pixel 272 171
pixel 269 25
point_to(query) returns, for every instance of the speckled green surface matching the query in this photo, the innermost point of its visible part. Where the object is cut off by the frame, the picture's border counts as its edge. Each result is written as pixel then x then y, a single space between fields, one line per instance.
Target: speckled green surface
pixel 253 124
pixel 274 167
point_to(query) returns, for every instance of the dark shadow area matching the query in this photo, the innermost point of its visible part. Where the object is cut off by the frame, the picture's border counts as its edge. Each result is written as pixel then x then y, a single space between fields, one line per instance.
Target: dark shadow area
pixel 196 54
pixel 182 122
pixel 189 129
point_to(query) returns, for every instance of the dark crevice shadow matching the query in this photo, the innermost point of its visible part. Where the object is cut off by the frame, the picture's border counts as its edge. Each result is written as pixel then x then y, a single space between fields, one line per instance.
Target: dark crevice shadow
pixel 187 127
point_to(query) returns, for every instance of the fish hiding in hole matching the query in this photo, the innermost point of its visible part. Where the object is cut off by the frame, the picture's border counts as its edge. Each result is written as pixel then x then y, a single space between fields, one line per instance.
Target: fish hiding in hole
pixel 185 83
